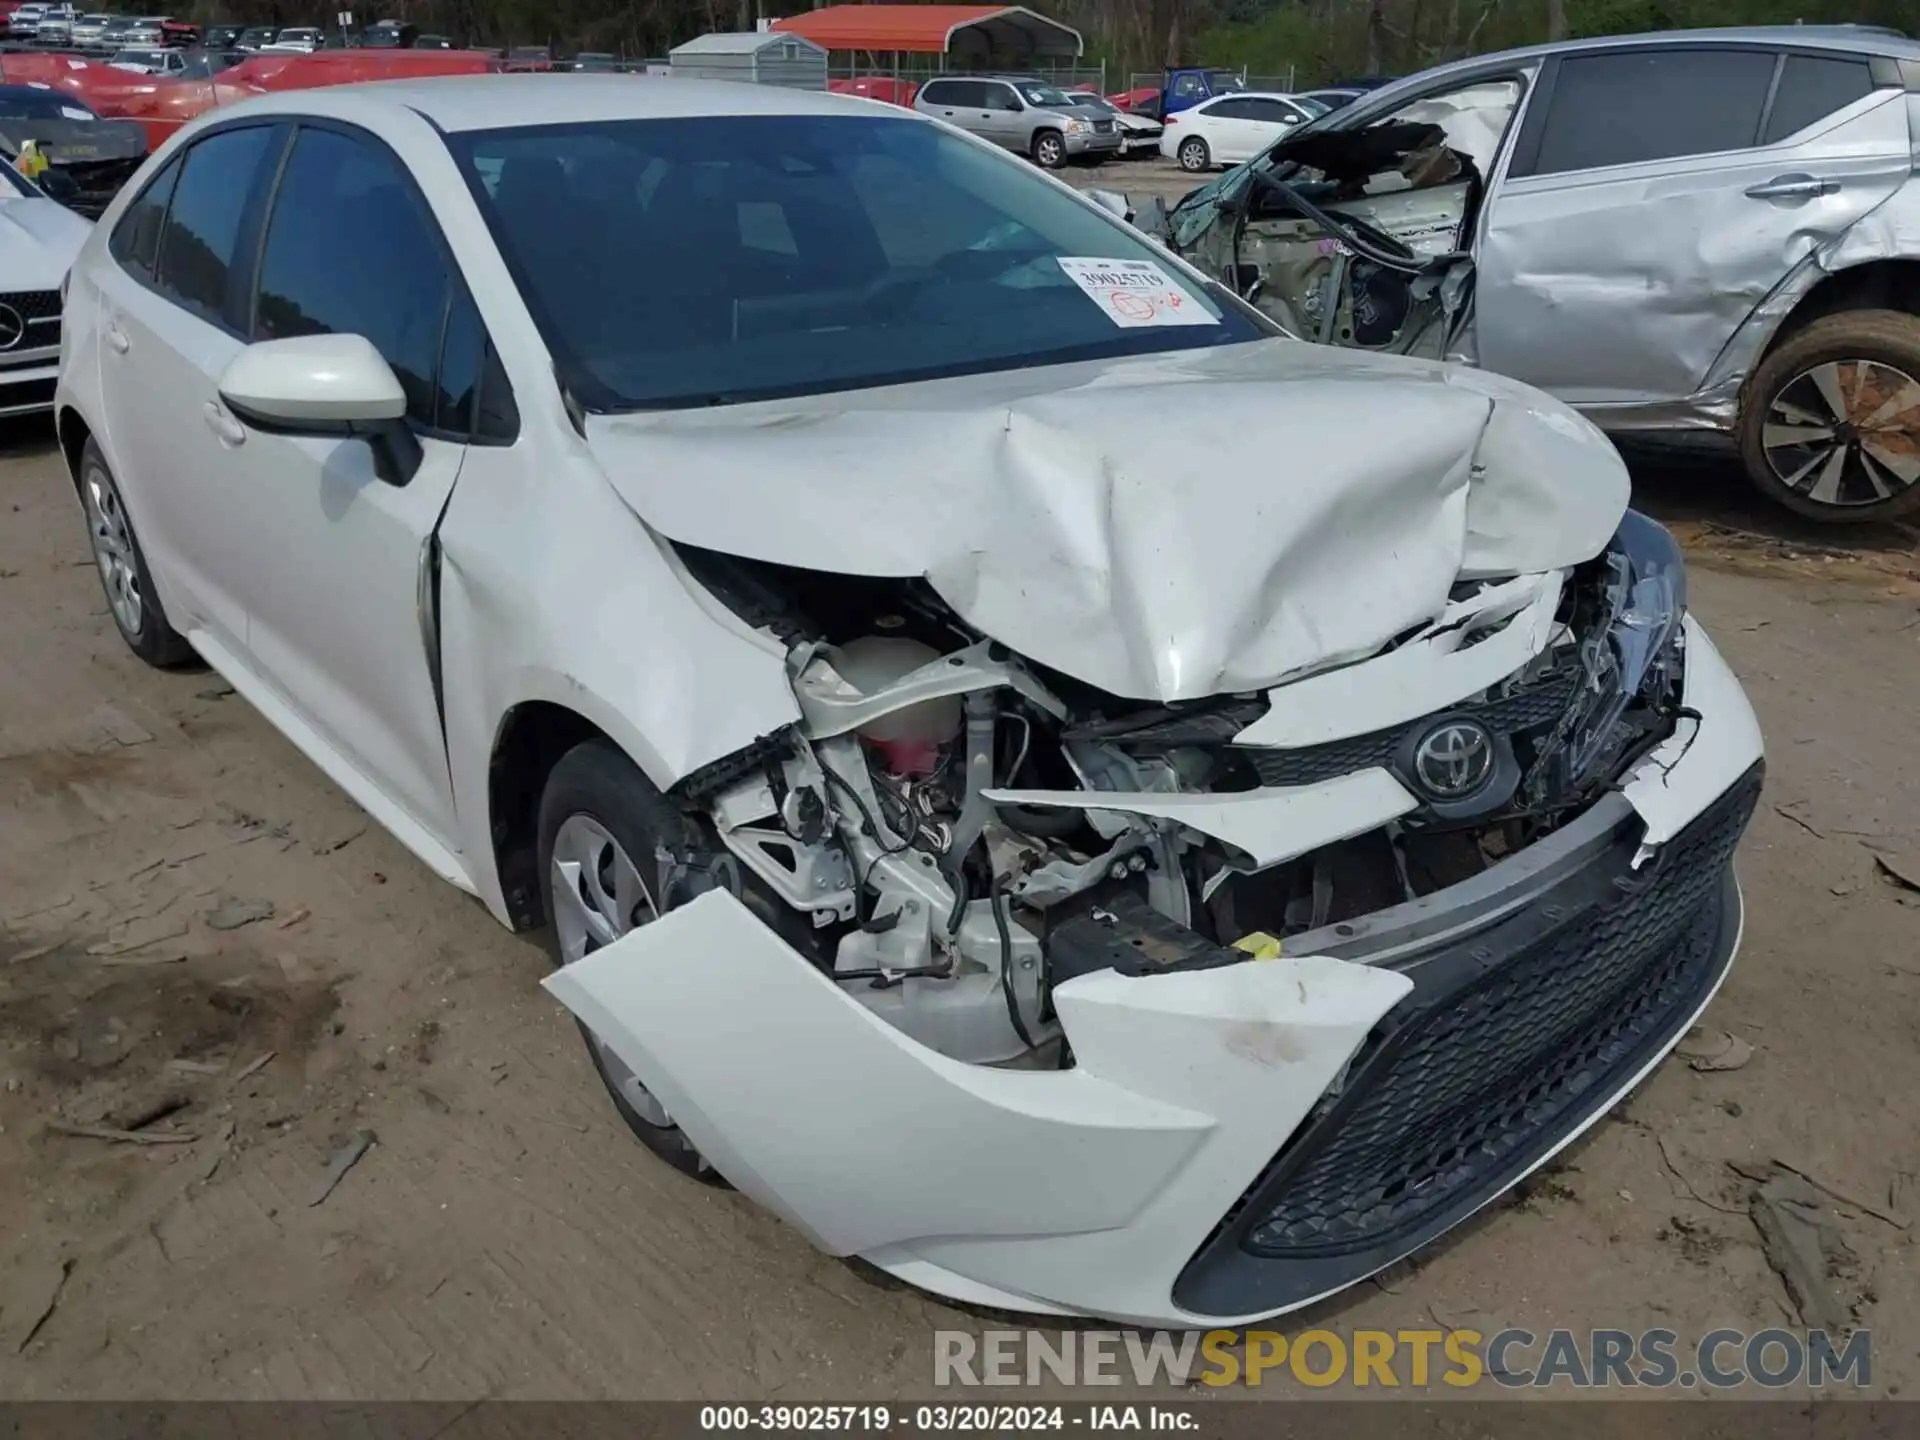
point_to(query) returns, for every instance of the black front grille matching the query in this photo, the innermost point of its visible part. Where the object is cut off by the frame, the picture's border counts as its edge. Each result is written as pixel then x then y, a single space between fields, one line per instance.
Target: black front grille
pixel 1508 1043
pixel 33 305
pixel 1534 707
pixel 1103 127
pixel 96 182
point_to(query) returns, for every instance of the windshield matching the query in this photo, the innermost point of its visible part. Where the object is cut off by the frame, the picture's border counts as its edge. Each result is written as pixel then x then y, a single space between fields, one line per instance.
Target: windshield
pixel 1047 97
pixel 1097 102
pixel 20 102
pixel 720 259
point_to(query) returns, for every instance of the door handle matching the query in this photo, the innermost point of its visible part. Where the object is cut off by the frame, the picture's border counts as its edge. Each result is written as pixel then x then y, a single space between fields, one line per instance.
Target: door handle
pixel 117 338
pixel 1792 187
pixel 230 430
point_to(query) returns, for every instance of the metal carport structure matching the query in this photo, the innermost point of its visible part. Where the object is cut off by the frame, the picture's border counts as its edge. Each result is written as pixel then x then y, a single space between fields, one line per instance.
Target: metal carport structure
pixel 923 40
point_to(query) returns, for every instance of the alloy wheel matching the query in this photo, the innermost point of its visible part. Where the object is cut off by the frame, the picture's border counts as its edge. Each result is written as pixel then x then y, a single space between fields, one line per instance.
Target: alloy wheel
pixel 113 548
pixel 1193 156
pixel 1049 155
pixel 598 896
pixel 1845 433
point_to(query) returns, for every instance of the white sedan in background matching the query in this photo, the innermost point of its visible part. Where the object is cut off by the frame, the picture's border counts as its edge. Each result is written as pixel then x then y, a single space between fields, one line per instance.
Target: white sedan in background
pixel 158 61
pixel 1074 877
pixel 1231 128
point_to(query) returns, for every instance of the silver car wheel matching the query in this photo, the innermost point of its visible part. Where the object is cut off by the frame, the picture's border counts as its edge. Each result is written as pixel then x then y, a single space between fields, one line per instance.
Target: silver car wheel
pixel 113 548
pixel 1846 432
pixel 598 896
pixel 1193 155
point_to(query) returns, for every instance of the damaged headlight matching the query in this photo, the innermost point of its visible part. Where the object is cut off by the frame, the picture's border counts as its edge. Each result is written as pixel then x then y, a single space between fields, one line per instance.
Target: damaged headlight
pixel 1631 653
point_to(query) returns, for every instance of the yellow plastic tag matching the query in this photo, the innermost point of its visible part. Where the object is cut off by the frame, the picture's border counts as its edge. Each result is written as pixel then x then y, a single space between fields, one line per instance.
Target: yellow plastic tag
pixel 1260 945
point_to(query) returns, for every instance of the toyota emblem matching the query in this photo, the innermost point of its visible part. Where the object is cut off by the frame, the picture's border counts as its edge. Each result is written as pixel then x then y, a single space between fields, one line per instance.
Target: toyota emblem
pixel 12 328
pixel 1454 759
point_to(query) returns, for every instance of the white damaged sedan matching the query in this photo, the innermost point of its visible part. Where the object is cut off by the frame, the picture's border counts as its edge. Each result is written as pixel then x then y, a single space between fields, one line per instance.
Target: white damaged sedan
pixel 1051 787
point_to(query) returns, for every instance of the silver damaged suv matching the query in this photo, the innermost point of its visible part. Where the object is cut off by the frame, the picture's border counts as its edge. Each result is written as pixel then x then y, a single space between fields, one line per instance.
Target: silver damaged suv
pixel 1710 231
pixel 1029 117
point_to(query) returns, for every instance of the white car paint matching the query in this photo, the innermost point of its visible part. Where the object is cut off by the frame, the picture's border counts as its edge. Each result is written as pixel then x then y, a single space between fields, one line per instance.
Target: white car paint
pixel 1229 1061
pixel 1350 523
pixel 39 241
pixel 1229 137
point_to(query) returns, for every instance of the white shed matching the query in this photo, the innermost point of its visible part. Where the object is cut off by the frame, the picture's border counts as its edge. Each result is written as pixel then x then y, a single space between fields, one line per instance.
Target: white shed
pixel 760 58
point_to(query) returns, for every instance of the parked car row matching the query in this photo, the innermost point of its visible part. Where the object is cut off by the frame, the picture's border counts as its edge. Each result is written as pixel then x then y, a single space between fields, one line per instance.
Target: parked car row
pixel 63 26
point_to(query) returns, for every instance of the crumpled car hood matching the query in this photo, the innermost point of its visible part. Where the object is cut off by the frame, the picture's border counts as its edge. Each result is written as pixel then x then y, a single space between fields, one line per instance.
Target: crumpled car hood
pixel 1164 528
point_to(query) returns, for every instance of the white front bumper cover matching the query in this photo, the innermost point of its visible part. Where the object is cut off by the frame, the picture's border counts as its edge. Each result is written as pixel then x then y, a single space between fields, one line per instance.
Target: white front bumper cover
pixel 1131 1186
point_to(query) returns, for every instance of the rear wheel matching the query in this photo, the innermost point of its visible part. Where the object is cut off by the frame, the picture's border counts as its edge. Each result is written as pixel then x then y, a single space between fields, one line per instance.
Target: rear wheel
pixel 1049 150
pixel 1831 424
pixel 131 598
pixel 602 828
pixel 1194 154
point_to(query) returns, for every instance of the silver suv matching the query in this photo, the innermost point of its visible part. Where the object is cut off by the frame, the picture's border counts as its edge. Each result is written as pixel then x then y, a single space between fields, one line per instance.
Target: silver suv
pixel 1038 120
pixel 1704 231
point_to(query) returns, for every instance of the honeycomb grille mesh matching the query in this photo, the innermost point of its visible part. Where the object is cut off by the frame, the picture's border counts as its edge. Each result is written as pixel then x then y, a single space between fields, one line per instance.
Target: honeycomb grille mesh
pixel 1450 1099
pixel 1532 708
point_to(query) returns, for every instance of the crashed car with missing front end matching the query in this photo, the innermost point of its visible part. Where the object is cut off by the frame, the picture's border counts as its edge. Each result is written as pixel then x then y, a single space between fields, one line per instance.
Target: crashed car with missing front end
pixel 1072 877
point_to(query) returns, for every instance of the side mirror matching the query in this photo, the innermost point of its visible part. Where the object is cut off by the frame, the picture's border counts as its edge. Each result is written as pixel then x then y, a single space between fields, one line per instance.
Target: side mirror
pixel 1113 202
pixel 325 385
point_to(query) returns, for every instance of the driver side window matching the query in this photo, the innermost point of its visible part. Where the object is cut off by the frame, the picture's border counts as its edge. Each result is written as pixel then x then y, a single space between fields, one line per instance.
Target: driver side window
pixel 1474 119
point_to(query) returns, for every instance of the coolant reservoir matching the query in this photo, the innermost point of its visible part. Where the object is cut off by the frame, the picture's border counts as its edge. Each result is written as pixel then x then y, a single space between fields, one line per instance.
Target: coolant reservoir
pixel 909 739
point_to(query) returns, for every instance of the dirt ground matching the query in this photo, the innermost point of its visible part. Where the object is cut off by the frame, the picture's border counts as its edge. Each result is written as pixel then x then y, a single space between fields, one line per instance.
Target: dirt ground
pixel 504 1237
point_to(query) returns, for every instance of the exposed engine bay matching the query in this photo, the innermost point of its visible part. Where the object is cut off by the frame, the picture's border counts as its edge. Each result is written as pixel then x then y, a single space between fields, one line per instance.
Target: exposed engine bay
pixel 1359 237
pixel 951 831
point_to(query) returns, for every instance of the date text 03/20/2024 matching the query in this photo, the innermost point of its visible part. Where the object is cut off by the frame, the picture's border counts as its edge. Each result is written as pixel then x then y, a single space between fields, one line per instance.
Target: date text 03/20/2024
pixel 936 1419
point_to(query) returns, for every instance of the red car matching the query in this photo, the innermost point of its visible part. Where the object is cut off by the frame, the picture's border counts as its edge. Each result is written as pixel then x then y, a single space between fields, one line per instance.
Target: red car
pixel 878 87
pixel 164 105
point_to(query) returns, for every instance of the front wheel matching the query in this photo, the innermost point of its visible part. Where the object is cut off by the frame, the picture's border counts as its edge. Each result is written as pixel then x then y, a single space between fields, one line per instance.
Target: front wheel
pixel 603 828
pixel 1049 150
pixel 1194 155
pixel 1830 427
pixel 131 598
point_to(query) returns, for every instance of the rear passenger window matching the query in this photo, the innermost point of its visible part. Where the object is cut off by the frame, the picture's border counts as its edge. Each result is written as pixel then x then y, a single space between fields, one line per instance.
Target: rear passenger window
pixel 1269 112
pixel 202 228
pixel 350 250
pixel 1811 88
pixel 135 241
pixel 1652 105
pixel 958 93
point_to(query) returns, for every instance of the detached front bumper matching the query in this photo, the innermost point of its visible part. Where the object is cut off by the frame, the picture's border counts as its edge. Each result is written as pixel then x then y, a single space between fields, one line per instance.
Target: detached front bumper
pixel 1232 1142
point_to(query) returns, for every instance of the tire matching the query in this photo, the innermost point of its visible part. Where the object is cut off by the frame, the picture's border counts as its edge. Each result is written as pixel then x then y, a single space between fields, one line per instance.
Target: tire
pixel 596 795
pixel 1049 150
pixel 1869 360
pixel 1193 155
pixel 132 600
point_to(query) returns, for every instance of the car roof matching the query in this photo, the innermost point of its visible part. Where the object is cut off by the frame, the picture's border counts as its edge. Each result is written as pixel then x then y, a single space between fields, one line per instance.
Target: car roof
pixel 1850 39
pixel 1247 95
pixel 493 102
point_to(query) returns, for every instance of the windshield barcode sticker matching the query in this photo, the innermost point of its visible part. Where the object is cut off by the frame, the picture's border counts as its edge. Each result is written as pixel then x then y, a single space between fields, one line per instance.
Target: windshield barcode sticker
pixel 1133 293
